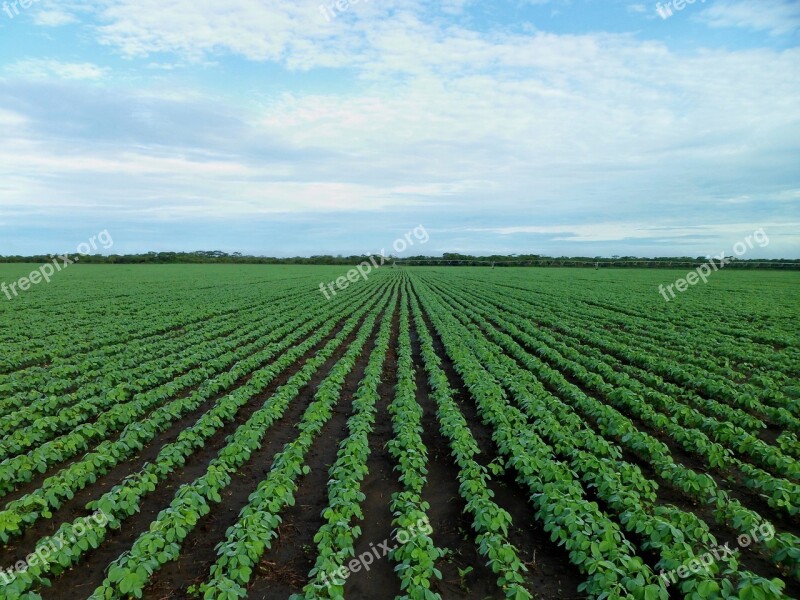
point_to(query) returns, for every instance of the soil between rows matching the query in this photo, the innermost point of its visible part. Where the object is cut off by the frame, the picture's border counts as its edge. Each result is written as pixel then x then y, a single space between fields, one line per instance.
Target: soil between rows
pixel 378 486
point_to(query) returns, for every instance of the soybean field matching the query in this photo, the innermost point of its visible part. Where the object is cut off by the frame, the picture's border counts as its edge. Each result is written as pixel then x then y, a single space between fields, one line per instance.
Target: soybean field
pixel 223 432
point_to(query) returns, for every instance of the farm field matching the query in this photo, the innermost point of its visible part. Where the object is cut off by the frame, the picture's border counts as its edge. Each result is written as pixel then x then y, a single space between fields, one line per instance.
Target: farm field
pixel 228 432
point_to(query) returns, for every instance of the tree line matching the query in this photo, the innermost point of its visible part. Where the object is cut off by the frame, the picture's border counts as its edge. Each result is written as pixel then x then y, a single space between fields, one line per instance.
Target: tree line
pixel 447 259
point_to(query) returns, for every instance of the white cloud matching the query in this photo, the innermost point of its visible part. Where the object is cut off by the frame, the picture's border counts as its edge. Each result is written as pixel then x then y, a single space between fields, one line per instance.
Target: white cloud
pixel 778 17
pixel 195 28
pixel 35 68
pixel 53 18
pixel 11 120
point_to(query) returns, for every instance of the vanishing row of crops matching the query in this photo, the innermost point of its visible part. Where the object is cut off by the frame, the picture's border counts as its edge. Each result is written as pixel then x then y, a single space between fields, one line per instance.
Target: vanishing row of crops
pixel 178 432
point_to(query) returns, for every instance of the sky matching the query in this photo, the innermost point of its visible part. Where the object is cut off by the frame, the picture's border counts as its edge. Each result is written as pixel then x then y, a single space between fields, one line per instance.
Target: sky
pixel 558 127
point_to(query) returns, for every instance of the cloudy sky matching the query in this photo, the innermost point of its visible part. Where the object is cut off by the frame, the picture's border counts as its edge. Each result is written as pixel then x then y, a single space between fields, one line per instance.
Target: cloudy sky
pixel 591 127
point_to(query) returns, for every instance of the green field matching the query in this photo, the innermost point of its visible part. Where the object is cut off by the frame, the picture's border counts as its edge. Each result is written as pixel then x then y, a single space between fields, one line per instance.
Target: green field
pixel 226 431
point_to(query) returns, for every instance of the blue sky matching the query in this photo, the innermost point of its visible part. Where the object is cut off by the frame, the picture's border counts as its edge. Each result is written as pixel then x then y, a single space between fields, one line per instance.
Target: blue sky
pixel 580 127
